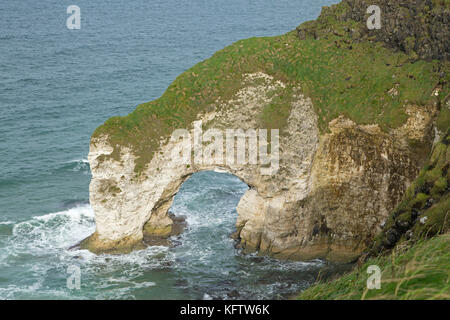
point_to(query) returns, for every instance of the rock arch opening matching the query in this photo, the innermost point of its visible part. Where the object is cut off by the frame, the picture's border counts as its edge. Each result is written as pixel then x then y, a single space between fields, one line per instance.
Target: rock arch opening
pixel 214 196
pixel 204 210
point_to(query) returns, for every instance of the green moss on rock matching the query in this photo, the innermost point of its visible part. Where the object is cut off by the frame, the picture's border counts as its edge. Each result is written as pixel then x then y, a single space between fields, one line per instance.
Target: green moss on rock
pixel 425 206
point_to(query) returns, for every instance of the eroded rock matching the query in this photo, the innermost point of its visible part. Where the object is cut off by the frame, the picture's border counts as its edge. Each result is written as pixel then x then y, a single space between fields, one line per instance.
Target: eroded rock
pixel 327 199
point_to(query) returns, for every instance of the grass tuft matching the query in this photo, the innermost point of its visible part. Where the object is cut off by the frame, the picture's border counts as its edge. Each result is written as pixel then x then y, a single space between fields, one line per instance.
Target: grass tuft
pixel 420 272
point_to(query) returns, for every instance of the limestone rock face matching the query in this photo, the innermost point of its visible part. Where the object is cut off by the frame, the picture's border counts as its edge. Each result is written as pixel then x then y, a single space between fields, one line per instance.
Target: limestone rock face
pixel 359 175
pixel 326 199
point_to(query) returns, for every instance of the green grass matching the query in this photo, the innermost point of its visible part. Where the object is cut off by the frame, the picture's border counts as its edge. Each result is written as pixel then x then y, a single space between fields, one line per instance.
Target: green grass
pixel 420 272
pixel 340 76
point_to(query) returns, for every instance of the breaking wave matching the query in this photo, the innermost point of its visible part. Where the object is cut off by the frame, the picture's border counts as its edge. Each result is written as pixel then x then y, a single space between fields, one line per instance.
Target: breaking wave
pixel 203 265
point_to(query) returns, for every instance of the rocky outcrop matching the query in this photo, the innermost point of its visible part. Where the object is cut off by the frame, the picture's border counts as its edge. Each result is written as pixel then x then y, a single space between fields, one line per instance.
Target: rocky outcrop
pixel 420 27
pixel 322 176
pixel 360 174
pixel 327 197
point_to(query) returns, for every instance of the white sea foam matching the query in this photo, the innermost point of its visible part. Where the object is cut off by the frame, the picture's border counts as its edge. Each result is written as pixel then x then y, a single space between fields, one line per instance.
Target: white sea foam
pixel 78 165
pixel 50 236
pixel 84 160
pixel 54 230
pixel 207 297
pixel 39 249
pixel 61 230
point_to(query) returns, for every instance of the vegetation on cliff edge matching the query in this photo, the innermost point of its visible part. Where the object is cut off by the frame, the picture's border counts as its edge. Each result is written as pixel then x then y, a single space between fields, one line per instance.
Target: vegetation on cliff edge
pixel 412 265
pixel 425 208
pixel 367 82
pixel 420 272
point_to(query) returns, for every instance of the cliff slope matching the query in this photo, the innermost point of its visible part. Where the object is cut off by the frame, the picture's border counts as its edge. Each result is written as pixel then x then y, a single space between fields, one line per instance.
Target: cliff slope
pixel 412 250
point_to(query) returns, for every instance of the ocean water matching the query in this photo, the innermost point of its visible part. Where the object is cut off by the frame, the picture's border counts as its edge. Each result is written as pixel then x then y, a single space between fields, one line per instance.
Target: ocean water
pixel 58 85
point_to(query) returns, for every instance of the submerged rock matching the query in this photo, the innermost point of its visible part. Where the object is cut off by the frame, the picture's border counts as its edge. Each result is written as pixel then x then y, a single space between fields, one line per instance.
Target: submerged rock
pixel 233 294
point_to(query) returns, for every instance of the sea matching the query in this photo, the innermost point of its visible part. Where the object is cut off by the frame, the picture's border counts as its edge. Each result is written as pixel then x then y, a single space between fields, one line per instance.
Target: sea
pixel 57 85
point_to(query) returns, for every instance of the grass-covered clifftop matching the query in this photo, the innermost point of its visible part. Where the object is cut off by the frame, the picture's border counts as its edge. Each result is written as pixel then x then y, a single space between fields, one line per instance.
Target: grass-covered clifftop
pixel 364 81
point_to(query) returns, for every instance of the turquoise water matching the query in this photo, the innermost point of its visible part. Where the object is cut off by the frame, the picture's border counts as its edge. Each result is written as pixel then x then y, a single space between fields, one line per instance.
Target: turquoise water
pixel 58 85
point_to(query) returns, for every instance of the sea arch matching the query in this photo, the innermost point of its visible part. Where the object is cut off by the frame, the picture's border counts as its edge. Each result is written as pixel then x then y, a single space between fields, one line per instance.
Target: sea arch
pixel 328 197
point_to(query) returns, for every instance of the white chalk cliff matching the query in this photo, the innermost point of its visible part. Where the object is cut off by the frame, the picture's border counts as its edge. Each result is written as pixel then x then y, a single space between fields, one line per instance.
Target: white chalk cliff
pixel 328 198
